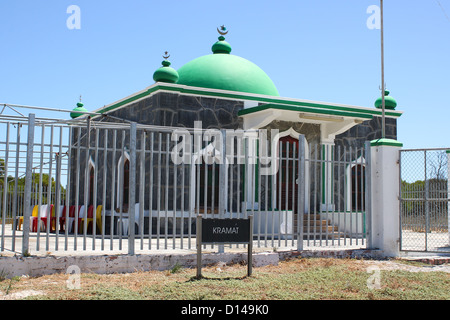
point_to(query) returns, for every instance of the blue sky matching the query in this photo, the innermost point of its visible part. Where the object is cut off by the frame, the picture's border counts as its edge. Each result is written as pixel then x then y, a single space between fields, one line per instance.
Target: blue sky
pixel 319 50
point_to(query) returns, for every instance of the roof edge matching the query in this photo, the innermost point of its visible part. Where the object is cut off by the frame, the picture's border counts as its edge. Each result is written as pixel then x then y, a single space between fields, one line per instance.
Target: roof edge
pixel 234 95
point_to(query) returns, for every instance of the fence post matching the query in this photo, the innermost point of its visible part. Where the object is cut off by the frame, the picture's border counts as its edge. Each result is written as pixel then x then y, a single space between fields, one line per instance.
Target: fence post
pixel 368 195
pixel 5 187
pixel 199 246
pixel 222 176
pixel 28 181
pixel 427 202
pixel 222 182
pixel 301 191
pixel 86 179
pixel 132 189
pixel 16 175
pixel 385 196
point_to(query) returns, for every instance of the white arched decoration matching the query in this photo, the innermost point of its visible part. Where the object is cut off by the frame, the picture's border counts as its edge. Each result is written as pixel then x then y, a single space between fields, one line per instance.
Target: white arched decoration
pixel 120 176
pixel 91 166
pixel 213 156
pixel 349 180
pixel 294 134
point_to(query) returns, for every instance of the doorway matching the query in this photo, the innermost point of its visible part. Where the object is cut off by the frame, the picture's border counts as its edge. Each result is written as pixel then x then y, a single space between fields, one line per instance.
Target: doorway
pixel 287 190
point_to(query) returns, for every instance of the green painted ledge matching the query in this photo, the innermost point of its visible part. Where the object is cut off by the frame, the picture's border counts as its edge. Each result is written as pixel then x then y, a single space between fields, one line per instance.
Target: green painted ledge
pixel 281 102
pixel 386 142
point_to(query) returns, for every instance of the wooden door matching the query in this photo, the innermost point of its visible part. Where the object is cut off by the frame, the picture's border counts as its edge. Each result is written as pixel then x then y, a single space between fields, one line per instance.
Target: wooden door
pixel 287 195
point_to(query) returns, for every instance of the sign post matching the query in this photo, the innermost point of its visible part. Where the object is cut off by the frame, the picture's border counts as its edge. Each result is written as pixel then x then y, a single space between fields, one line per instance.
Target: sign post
pixel 222 231
pixel 199 246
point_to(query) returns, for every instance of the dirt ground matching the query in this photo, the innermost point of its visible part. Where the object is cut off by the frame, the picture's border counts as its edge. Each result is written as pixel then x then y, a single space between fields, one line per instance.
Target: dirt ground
pixel 23 287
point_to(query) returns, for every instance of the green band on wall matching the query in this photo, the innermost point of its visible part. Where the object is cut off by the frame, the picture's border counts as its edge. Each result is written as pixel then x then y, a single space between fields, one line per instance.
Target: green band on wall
pixel 386 142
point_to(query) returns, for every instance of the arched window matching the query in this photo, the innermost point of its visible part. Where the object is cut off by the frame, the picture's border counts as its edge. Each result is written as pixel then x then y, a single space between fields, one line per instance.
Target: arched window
pixel 205 177
pixel 91 186
pixel 126 183
pixel 209 188
pixel 284 191
pixel 123 181
pixel 356 185
pixel 358 179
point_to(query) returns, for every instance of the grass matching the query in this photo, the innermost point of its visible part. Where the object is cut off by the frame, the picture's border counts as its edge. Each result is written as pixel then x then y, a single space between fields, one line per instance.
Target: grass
pixel 297 279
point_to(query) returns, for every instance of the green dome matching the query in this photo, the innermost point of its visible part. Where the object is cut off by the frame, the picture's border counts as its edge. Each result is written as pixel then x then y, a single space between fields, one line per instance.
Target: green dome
pixel 389 102
pixel 224 71
pixel 166 73
pixel 79 108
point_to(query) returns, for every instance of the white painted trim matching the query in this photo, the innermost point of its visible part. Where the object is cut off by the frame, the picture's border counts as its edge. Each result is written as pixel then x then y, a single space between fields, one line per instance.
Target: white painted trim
pixel 262 119
pixel 329 130
pixel 294 134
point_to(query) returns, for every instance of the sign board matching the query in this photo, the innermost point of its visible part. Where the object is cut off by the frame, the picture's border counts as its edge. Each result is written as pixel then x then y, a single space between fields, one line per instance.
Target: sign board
pixel 220 231
pixel 225 230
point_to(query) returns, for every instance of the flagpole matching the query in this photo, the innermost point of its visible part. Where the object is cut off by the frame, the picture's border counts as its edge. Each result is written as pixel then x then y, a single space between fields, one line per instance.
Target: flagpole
pixel 383 122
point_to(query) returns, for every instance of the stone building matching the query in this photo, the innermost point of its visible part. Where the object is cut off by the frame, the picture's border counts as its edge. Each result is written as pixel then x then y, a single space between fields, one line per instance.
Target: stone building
pixel 225 91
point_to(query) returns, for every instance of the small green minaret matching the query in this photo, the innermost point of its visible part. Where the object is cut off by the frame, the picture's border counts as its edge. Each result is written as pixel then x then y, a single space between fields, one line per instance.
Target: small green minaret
pixel 79 107
pixel 166 73
pixel 389 102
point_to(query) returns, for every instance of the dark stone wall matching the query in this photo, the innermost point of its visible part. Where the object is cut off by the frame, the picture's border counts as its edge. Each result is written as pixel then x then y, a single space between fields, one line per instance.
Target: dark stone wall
pixel 366 131
pixel 177 110
pixel 161 109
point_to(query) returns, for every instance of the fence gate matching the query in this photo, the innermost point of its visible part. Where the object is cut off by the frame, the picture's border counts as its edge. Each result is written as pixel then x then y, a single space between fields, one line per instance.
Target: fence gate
pixel 424 200
pixel 94 185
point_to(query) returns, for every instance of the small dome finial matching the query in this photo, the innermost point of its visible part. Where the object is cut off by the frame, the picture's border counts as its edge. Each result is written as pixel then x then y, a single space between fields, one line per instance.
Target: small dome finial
pixel 221 46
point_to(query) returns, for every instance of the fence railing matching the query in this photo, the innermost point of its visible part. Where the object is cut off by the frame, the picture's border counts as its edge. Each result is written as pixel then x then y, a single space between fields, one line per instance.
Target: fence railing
pixel 48 196
pixel 128 187
pixel 424 200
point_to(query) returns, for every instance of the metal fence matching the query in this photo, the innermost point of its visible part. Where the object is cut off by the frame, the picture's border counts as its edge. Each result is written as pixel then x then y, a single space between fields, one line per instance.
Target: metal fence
pixel 424 200
pixel 94 185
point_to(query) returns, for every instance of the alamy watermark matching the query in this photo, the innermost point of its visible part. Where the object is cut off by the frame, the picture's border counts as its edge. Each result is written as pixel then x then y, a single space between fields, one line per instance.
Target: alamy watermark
pixel 226 147
pixel 374 281
pixel 374 20
pixel 74 20
pixel 74 280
